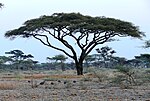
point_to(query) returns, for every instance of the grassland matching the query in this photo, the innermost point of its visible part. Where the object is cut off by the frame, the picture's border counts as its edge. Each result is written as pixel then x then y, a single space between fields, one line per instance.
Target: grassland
pixel 95 85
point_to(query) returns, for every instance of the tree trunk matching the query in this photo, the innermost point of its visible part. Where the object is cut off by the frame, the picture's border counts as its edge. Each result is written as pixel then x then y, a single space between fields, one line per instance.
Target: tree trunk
pixel 79 67
pixel 62 66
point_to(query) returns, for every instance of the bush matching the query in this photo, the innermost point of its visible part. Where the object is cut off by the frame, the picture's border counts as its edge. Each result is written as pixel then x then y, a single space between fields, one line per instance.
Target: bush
pixel 127 77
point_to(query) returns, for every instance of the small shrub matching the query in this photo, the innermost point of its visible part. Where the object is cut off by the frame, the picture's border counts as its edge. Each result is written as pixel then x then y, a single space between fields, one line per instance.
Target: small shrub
pixel 126 78
pixel 120 81
pixel 101 75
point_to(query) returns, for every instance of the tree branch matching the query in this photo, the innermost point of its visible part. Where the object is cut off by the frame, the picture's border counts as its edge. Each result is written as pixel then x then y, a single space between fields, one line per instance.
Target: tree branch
pixel 49 45
pixel 64 42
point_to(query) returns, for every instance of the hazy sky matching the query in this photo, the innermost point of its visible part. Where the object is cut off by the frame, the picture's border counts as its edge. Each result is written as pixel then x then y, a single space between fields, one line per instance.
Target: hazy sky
pixel 16 12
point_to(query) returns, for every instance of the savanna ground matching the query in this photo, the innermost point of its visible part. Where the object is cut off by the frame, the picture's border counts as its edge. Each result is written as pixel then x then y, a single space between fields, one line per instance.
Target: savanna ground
pixel 95 85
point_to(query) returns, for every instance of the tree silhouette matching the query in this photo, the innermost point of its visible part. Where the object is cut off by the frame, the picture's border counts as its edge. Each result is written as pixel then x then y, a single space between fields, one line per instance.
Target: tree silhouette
pixel 18 56
pixel 85 31
pixel 105 54
pixel 147 44
pixel 60 58
pixel 1 5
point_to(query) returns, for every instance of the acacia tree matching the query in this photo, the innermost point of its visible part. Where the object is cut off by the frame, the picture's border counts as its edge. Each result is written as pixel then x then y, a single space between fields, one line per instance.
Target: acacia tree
pixel 18 57
pixel 86 31
pixel 60 58
pixel 105 54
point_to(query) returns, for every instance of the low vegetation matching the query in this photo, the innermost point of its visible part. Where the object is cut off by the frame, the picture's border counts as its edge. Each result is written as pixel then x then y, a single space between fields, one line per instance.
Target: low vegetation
pixel 97 84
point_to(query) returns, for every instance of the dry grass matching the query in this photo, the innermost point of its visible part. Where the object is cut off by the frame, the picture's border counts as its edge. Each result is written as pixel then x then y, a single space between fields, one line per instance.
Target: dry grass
pixel 91 86
pixel 7 85
pixel 36 76
pixel 39 76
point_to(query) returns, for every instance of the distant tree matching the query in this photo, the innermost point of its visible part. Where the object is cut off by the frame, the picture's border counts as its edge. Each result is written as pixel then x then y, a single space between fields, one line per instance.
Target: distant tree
pixel 4 59
pixel 144 59
pixel 89 59
pixel 85 31
pixel 105 54
pixel 28 64
pixel 135 63
pixel 18 56
pixel 119 61
pixel 60 58
pixel 147 44
pixel 1 5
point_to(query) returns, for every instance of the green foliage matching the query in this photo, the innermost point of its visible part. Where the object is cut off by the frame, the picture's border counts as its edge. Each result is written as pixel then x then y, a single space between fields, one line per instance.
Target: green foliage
pixel 76 22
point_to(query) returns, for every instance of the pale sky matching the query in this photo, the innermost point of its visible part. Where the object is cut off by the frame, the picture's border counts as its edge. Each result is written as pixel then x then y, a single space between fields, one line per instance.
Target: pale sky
pixel 16 12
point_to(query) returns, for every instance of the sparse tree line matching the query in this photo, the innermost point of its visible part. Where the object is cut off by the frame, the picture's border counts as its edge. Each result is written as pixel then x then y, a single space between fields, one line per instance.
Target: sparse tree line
pixel 104 58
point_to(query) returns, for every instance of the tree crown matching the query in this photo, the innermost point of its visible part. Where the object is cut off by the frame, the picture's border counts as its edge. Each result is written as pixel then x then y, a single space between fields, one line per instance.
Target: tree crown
pixel 75 22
